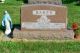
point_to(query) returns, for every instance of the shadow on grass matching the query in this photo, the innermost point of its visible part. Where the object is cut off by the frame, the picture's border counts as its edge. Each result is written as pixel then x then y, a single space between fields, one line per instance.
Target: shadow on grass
pixel 25 1
pixel 68 1
pixel 15 26
pixel 77 2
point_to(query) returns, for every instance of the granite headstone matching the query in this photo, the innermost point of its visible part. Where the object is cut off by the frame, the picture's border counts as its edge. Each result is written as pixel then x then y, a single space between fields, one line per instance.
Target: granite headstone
pixel 55 2
pixel 43 17
pixel 40 20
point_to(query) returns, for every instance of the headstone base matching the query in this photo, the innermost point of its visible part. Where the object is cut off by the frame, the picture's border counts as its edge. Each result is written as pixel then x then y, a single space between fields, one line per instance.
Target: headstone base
pixel 43 35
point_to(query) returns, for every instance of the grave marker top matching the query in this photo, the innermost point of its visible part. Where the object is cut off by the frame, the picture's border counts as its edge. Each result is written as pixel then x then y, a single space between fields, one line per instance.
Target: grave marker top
pixel 43 17
pixel 55 2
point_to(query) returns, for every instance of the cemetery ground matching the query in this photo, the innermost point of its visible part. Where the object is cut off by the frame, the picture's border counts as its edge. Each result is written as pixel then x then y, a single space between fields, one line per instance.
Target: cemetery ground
pixel 40 46
pixel 26 46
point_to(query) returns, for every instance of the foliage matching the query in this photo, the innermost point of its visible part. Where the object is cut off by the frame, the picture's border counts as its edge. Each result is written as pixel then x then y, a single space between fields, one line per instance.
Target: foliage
pixel 69 1
pixel 75 26
pixel 77 32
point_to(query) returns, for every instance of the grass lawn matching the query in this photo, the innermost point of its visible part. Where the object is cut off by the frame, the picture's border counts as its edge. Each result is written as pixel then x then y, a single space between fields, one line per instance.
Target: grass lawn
pixel 73 14
pixel 40 47
pixel 13 7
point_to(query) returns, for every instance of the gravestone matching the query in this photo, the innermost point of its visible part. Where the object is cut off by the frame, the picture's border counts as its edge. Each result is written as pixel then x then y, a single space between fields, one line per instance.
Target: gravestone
pixel 56 2
pixel 43 17
pixel 43 21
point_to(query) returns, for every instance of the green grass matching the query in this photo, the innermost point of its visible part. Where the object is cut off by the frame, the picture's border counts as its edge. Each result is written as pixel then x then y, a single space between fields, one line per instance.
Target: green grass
pixel 13 7
pixel 73 14
pixel 40 47
pixel 14 12
pixel 14 2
